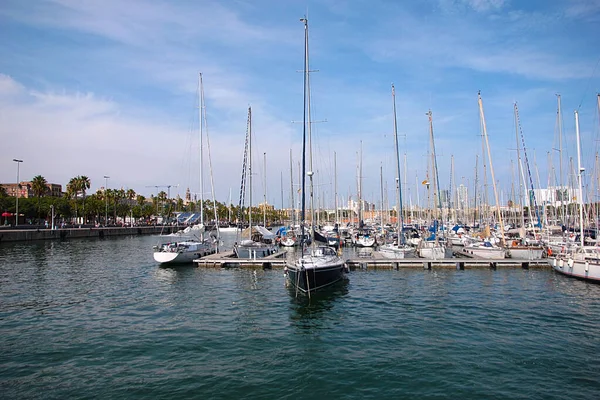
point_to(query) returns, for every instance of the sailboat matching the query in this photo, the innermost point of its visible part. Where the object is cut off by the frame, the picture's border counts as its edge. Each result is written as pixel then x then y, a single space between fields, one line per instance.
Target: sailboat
pixel 318 266
pixel 196 246
pixel 584 262
pixel 488 249
pixel 432 247
pixel 399 249
pixel 260 241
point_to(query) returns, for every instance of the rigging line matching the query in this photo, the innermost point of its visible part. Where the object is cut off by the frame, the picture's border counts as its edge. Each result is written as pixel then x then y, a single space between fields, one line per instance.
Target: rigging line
pixel 588 84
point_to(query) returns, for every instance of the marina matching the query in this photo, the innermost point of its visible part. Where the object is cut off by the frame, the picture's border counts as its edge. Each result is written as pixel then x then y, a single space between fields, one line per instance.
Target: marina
pixel 194 205
pixel 372 260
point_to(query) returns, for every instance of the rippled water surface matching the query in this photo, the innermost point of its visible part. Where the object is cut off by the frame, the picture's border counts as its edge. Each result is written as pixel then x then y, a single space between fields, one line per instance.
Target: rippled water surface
pixel 99 319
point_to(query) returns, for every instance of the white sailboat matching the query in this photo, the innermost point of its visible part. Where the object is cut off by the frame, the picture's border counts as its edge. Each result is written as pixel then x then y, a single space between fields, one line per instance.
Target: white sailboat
pixel 399 249
pixel 432 247
pixel 196 245
pixel 584 262
pixel 318 266
pixel 488 248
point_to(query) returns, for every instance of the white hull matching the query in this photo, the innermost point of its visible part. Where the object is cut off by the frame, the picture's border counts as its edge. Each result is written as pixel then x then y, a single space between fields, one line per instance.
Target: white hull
pixel 182 252
pixel 588 270
pixel 456 241
pixel 395 252
pixel 433 253
pixel 229 229
pixel 526 253
pixel 288 242
pixel 364 242
pixel 485 252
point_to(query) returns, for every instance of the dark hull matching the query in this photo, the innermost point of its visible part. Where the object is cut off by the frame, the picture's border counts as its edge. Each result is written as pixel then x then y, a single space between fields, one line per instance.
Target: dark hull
pixel 311 279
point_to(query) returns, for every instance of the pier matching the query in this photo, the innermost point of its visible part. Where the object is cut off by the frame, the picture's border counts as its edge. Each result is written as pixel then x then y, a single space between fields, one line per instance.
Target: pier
pixel 371 261
pixel 33 234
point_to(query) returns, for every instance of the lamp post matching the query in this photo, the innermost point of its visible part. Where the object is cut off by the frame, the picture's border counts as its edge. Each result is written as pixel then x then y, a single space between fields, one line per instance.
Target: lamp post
pixel 52 208
pixel 18 192
pixel 105 200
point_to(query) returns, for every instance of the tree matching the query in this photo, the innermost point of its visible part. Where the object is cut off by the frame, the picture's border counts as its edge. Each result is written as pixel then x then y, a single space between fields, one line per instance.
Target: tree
pixel 39 186
pixel 72 191
pixel 84 184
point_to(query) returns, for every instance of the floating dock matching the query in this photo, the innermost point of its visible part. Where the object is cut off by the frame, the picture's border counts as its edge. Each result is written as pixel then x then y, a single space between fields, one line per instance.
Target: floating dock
pixel 372 260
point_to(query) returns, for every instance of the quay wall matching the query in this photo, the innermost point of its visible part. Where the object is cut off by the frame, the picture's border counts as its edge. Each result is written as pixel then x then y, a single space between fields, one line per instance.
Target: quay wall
pixel 24 235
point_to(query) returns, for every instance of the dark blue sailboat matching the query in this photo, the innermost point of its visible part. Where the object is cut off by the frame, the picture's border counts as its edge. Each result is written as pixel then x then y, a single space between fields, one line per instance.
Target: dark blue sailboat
pixel 317 267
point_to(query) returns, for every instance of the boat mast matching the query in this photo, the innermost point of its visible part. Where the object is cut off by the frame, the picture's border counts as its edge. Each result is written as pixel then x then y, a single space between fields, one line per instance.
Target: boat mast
pixel 250 170
pixel 491 168
pixel 212 183
pixel 303 171
pixel 200 120
pixel 400 216
pixel 520 172
pixel 381 190
pixel 563 206
pixel 335 200
pixel 360 210
pixel 292 190
pixel 436 180
pixel 579 183
pixel 265 191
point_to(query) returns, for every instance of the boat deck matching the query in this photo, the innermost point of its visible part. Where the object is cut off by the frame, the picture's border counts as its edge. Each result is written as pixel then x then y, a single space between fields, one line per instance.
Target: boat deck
pixel 372 260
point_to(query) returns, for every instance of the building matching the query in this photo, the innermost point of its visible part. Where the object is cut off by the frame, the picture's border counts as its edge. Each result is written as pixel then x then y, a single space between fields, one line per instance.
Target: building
pixel 25 189
pixel 554 196
pixel 462 197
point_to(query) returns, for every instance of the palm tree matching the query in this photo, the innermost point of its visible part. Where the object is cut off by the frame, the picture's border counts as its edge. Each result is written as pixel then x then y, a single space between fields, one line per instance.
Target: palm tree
pixel 72 191
pixel 84 184
pixel 141 200
pixel 162 197
pixel 39 186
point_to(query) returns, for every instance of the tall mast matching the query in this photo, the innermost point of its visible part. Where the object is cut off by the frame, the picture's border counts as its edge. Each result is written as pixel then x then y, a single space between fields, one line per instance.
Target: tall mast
pixel 200 112
pixel 400 217
pixel 579 183
pixel 292 190
pixel 212 182
pixel 265 191
pixel 360 216
pixel 381 190
pixel 436 179
pixel 520 171
pixel 491 167
pixel 560 161
pixel 303 170
pixel 335 200
pixel 250 168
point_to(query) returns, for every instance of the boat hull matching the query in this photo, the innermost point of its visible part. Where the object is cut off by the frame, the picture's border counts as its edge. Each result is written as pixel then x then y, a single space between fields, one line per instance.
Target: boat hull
pixel 526 253
pixel 309 279
pixel 252 252
pixel 183 256
pixel 586 270
pixel 395 252
pixel 490 253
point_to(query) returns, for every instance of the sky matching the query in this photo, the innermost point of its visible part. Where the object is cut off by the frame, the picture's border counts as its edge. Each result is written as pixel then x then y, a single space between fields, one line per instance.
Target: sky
pixel 110 88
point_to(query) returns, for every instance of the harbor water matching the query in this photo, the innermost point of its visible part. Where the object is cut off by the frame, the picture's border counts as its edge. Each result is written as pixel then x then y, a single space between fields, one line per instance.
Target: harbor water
pixel 98 318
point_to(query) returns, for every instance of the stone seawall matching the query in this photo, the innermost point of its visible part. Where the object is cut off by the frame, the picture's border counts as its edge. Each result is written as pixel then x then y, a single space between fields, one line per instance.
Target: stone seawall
pixel 23 235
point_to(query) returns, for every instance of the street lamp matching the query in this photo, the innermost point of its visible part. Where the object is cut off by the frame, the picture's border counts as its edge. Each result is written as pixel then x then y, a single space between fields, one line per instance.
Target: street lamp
pixel 18 190
pixel 105 200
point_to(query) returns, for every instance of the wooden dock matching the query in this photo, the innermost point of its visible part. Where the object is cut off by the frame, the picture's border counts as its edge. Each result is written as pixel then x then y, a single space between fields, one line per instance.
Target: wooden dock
pixel 373 260
pixel 229 260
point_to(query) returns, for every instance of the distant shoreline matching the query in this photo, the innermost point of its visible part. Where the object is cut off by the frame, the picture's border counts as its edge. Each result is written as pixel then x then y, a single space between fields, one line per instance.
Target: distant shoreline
pixel 41 233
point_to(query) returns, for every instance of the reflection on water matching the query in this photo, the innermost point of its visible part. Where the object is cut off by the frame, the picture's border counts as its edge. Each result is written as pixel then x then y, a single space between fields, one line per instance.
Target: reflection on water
pixel 312 312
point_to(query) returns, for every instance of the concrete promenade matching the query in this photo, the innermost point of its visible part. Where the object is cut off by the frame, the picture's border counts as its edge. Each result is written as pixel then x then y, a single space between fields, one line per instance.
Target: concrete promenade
pixel 31 234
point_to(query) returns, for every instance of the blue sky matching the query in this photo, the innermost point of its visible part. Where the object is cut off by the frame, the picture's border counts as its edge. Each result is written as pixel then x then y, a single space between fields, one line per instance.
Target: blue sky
pixel 110 88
